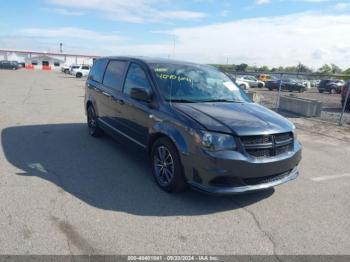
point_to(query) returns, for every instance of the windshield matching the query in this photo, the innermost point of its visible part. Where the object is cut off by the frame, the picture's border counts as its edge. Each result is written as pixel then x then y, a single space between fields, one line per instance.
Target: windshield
pixel 196 83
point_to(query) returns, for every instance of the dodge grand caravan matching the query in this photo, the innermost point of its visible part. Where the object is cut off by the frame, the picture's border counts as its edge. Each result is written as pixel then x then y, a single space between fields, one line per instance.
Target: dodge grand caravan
pixel 197 126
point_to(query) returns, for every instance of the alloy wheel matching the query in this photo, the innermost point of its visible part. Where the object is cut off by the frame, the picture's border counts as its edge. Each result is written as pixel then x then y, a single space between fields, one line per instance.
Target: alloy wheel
pixel 91 119
pixel 163 164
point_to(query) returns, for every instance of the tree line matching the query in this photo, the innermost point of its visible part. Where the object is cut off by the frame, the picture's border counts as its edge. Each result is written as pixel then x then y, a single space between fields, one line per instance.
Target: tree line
pixel 326 69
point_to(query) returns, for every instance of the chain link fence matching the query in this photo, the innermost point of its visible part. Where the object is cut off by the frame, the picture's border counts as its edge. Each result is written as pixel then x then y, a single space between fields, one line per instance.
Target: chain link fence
pixel 310 95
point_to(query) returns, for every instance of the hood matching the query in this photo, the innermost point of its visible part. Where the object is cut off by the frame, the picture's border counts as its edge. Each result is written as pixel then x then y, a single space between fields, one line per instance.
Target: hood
pixel 237 118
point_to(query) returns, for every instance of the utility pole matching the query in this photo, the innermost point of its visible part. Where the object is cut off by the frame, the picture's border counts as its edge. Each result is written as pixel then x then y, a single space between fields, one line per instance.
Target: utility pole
pixel 174 46
pixel 61 48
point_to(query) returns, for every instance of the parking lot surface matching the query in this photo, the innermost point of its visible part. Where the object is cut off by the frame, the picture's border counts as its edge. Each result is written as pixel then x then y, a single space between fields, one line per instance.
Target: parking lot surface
pixel 64 192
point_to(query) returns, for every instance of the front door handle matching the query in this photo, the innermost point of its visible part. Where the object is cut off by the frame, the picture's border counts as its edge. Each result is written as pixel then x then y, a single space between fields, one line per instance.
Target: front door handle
pixel 119 101
pixel 97 90
pixel 106 94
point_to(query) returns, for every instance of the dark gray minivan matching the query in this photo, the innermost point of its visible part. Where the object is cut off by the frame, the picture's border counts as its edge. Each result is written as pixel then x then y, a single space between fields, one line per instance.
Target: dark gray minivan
pixel 198 127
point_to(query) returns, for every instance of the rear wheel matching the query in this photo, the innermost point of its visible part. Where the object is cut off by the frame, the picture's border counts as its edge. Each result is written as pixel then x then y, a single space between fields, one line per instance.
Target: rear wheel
pixel 92 121
pixel 321 91
pixel 166 166
pixel 79 75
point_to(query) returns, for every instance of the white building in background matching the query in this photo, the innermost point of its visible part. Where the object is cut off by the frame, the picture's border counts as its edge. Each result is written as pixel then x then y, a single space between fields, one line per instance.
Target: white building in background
pixel 39 59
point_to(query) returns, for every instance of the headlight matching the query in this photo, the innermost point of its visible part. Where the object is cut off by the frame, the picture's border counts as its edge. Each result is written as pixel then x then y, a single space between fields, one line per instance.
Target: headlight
pixel 216 141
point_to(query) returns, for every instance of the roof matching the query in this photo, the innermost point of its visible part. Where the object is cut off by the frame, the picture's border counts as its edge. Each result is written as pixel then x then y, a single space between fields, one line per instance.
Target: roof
pixel 151 60
pixel 45 53
pixel 45 57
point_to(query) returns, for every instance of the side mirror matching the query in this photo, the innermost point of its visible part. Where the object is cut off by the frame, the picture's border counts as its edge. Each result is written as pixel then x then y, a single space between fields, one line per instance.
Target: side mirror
pixel 140 93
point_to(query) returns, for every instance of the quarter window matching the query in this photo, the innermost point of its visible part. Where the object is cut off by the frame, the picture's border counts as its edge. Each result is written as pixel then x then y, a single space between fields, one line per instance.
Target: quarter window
pixel 98 69
pixel 114 75
pixel 136 78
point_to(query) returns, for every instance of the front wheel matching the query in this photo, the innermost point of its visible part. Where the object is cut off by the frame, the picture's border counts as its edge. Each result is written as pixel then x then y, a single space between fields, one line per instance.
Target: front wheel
pixel 166 166
pixel 333 91
pixel 79 75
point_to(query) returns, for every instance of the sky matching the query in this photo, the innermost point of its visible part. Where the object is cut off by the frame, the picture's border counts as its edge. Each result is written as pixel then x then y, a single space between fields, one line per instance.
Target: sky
pixel 257 32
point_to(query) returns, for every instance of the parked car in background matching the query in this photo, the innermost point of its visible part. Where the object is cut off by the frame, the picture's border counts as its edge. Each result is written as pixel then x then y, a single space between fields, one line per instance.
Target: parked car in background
pixel 286 85
pixel 315 83
pixel 9 65
pixel 71 68
pixel 307 84
pixel 252 81
pixel 198 128
pixel 65 68
pixel 331 86
pixel 82 70
pixel 242 84
pixel 264 77
pixel 343 95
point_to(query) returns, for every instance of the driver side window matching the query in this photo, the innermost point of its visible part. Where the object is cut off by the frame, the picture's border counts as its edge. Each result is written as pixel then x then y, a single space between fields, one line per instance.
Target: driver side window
pixel 136 78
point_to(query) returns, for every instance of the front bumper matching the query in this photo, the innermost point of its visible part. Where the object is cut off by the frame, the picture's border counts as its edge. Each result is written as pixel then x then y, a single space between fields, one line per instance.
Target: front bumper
pixel 288 176
pixel 241 173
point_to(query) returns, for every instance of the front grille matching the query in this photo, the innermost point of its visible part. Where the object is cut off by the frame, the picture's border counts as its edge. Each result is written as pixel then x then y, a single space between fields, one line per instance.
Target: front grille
pixel 283 149
pixel 265 146
pixel 252 140
pixel 260 152
pixel 283 137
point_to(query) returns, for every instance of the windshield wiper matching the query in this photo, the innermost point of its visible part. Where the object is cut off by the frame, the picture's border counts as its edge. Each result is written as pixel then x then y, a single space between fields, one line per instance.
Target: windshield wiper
pixel 222 100
pixel 180 101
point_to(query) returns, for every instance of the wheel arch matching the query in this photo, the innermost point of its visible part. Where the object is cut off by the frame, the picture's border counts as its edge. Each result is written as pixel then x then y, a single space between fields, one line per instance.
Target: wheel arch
pixel 91 102
pixel 173 134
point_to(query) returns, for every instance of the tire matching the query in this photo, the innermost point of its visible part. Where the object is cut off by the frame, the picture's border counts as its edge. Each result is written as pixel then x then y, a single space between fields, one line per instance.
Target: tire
pixel 92 122
pixel 333 91
pixel 243 87
pixel 260 85
pixel 79 75
pixel 166 166
pixel 66 71
pixel 320 91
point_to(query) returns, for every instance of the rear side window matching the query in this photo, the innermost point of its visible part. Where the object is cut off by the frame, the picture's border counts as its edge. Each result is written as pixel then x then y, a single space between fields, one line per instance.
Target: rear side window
pixel 85 67
pixel 136 78
pixel 114 75
pixel 98 69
